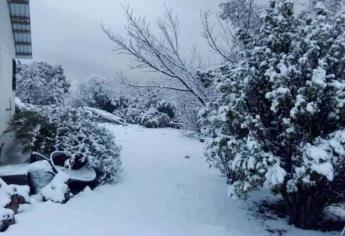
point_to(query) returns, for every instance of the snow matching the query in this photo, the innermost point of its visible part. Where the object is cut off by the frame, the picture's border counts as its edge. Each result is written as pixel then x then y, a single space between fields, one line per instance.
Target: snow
pixel 20 169
pixel 276 95
pixel 322 156
pixel 57 189
pixel 318 159
pixel 300 100
pixel 19 104
pixel 40 165
pixel 335 212
pixel 161 194
pixel 325 169
pixel 108 117
pixel 83 174
pixel 6 214
pixel 7 191
pixel 319 77
pixel 311 107
pixel 40 174
pixel 275 176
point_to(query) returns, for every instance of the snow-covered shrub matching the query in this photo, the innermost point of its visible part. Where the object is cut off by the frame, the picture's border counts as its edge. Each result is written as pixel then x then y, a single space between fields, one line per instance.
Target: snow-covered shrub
pixel 39 83
pixel 78 135
pixel 102 93
pixel 333 6
pixel 133 115
pixel 280 119
pixel 154 119
pixel 167 108
pixel 149 111
pixel 73 131
pixel 97 92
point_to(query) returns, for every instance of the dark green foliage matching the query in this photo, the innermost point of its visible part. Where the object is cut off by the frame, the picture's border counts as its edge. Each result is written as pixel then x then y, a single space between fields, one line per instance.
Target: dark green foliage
pixel 167 108
pixel 154 119
pixel 103 102
pixel 34 132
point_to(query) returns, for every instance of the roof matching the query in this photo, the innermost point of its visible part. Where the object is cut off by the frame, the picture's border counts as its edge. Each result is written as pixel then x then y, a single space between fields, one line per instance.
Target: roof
pixel 21 27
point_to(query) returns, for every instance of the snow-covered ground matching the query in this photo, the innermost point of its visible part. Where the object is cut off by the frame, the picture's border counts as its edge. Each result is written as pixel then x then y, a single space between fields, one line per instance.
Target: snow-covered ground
pixel 162 193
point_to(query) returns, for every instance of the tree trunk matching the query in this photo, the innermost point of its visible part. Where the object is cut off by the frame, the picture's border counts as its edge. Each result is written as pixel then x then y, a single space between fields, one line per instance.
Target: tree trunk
pixel 304 207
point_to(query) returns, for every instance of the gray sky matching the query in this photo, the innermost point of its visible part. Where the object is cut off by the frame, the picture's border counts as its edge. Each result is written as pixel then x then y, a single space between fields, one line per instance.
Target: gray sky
pixel 67 32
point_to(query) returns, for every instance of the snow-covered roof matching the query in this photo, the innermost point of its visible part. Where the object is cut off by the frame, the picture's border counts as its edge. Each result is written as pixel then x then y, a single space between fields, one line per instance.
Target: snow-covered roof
pixel 21 26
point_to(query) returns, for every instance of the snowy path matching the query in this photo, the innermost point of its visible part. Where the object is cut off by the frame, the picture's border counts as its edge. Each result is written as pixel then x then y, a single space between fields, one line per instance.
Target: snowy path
pixel 162 194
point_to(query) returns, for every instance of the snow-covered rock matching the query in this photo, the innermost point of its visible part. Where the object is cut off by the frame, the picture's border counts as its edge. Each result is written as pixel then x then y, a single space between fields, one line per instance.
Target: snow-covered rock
pixel 8 194
pixel 40 174
pixel 57 190
pixel 11 197
pixel 6 219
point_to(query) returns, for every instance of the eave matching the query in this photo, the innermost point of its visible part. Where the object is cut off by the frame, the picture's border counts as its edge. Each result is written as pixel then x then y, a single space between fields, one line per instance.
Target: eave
pixel 21 27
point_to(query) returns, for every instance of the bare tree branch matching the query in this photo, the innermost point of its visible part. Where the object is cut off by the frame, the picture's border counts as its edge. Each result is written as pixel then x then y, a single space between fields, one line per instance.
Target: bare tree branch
pixel 235 15
pixel 212 39
pixel 125 81
pixel 160 53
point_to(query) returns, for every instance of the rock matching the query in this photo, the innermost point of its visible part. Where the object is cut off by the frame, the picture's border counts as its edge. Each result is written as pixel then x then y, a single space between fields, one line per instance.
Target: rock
pixel 40 174
pixel 6 219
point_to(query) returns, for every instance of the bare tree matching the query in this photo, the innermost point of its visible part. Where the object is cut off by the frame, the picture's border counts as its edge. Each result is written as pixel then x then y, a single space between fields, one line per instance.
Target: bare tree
pixel 225 44
pixel 160 53
pixel 221 37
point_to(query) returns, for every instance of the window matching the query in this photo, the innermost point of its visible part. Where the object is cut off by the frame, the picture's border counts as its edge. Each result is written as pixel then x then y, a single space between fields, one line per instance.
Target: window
pixel 14 74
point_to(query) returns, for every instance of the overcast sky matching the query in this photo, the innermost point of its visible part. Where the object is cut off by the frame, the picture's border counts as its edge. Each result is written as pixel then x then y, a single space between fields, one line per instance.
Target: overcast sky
pixel 67 32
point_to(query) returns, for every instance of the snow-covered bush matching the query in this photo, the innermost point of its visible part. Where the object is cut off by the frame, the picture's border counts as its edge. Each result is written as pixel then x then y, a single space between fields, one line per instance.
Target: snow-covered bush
pixel 73 131
pixel 149 111
pixel 97 91
pixel 39 83
pixel 78 135
pixel 279 121
pixel 334 6
pixel 133 115
pixel 154 119
pixel 166 108
pixel 131 104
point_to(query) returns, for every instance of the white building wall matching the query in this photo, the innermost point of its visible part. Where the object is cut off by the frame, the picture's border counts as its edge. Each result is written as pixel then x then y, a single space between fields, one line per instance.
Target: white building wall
pixel 7 54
